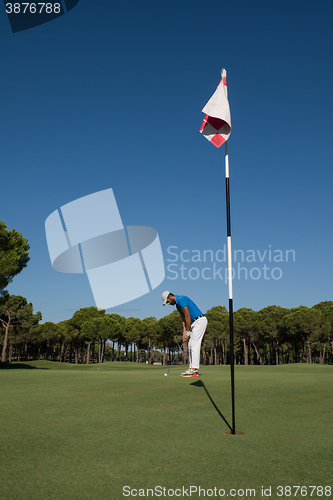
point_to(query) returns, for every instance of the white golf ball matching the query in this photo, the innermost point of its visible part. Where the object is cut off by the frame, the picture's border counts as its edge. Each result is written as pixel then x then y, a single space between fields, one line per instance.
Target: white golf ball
pixel 165 374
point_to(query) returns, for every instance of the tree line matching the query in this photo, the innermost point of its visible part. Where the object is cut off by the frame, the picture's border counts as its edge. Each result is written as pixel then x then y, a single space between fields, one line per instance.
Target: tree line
pixel 273 335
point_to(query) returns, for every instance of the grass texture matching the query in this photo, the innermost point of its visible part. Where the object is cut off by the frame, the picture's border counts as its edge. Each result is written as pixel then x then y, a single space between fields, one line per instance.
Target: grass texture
pixel 85 432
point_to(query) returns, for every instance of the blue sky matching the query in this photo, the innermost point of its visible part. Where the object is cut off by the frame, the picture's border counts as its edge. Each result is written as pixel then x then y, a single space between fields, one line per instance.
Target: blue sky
pixel 110 96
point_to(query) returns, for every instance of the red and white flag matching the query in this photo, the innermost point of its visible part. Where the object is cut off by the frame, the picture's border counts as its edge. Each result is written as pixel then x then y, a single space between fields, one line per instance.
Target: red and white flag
pixel 216 126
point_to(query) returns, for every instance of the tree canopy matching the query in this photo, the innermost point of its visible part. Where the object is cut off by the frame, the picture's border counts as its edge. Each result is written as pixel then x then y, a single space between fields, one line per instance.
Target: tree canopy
pixel 14 255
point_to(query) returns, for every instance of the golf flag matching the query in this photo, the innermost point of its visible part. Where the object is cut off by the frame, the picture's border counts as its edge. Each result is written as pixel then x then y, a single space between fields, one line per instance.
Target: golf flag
pixel 216 126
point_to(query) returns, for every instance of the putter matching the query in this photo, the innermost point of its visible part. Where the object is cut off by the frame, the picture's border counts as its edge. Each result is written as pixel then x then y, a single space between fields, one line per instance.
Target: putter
pixel 167 374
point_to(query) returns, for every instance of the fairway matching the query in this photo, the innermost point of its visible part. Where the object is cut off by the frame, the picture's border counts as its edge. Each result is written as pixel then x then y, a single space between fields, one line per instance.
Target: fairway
pixel 85 432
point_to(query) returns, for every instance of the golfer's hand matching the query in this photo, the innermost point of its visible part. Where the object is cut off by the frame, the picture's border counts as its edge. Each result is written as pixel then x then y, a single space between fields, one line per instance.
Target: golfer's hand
pixel 186 336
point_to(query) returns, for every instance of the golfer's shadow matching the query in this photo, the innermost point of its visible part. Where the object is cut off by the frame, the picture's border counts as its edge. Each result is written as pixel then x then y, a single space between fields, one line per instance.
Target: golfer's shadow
pixel 199 383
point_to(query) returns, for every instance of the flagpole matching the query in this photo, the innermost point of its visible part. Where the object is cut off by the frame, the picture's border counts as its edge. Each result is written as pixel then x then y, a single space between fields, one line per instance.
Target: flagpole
pixel 231 323
pixel 216 127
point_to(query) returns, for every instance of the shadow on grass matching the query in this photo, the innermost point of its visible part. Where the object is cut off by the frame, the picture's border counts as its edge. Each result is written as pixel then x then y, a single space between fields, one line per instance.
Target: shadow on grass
pixel 18 366
pixel 199 383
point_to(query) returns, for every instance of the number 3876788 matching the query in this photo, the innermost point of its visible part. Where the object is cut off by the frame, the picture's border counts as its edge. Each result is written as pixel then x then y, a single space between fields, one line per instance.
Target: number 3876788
pixel 32 8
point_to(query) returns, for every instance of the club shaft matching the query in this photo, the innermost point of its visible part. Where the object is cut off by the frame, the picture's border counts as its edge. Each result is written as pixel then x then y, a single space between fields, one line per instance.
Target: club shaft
pixel 175 357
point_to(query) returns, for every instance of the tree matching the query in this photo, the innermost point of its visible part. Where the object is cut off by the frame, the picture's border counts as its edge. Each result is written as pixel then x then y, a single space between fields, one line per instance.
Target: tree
pixel 325 333
pixel 82 321
pixel 134 331
pixel 217 333
pixel 14 312
pixel 169 329
pixel 150 332
pixel 98 327
pixel 271 320
pixel 246 325
pixel 14 255
pixel 301 323
pixel 115 332
pixel 50 334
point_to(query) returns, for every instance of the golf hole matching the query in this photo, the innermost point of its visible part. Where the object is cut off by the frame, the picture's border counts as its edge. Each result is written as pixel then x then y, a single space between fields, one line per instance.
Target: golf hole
pixel 237 433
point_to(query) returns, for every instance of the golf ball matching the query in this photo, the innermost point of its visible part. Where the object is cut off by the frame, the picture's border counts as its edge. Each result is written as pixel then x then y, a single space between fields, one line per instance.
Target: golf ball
pixel 165 374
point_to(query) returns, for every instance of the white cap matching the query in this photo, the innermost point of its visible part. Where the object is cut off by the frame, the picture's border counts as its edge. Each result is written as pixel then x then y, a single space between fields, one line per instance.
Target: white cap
pixel 165 296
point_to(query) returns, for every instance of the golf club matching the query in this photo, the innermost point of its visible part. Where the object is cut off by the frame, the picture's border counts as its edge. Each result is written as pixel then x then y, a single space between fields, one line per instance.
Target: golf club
pixel 167 374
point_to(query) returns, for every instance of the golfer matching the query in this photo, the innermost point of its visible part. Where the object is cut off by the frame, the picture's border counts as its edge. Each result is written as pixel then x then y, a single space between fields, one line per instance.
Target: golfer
pixel 194 327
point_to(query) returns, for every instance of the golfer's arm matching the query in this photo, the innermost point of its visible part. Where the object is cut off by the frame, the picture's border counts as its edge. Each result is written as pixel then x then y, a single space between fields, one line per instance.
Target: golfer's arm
pixel 184 325
pixel 183 320
pixel 186 318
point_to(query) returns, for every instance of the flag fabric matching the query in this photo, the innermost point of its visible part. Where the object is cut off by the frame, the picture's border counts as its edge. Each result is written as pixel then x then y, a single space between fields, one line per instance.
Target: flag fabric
pixel 216 126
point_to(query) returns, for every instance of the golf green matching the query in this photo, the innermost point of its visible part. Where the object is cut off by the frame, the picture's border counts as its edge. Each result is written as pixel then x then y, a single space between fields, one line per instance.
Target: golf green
pixel 123 430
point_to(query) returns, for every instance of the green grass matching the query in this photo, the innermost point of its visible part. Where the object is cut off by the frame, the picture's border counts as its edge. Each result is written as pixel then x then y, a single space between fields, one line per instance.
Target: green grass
pixel 83 432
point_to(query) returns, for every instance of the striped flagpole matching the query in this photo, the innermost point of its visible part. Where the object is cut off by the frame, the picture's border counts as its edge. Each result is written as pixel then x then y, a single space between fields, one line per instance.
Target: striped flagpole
pixel 231 323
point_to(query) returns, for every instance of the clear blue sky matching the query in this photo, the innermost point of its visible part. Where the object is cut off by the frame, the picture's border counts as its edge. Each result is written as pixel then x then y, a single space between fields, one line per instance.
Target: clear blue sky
pixel 110 96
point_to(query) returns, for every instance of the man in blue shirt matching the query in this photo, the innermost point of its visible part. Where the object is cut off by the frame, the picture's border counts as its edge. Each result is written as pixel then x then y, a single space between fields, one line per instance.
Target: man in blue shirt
pixel 194 327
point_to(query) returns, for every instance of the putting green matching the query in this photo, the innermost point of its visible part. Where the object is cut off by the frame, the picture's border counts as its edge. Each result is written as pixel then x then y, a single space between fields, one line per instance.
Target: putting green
pixel 86 432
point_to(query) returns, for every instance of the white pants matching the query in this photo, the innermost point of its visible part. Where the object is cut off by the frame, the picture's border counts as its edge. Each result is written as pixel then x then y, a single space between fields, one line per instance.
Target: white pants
pixel 198 329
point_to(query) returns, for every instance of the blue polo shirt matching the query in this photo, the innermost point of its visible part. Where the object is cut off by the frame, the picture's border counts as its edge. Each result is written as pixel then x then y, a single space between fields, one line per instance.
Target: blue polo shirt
pixel 182 301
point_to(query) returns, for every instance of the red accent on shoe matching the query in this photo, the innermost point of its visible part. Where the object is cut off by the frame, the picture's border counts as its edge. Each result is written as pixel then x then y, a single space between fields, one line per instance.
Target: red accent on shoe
pixel 195 374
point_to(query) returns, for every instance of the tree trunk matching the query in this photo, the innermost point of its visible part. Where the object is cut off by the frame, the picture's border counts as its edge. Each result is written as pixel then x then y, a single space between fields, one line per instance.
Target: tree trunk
pixel 246 352
pixel 322 356
pixel 149 352
pixel 99 349
pixel 152 356
pixel 270 353
pixel 259 357
pixel 65 352
pixel 211 353
pixel 301 353
pixel 46 354
pixel 62 350
pixel 215 354
pixel 308 352
pixel 295 352
pixel 10 355
pixel 103 350
pixel 5 343
pixel 88 354
pixel 277 360
pixel 286 355
pixel 60 354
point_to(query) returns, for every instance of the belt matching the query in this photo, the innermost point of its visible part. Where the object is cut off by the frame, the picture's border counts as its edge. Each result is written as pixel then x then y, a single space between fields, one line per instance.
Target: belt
pixel 201 316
